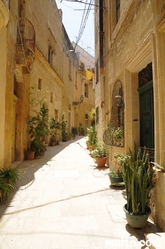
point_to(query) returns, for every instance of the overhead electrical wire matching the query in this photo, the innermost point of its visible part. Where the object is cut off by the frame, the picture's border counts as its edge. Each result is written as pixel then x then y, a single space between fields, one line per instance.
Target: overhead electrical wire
pixel 86 12
pixel 79 1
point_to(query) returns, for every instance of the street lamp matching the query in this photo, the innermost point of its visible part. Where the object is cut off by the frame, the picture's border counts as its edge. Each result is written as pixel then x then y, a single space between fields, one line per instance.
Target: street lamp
pixel 119 100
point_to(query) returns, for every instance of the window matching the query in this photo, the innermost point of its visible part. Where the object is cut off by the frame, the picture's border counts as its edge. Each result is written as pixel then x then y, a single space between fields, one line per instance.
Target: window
pixel 97 73
pixel 114 135
pixel 56 114
pixel 50 55
pixel 82 66
pixel 16 87
pixel 117 10
pixel 51 97
pixel 76 80
pixel 39 84
pixel 70 70
pixel 86 91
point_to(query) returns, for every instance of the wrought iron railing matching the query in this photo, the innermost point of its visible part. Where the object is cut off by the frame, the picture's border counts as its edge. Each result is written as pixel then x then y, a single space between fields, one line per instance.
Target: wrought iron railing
pixel 114 134
pixel 26 34
pixel 25 45
pixel 151 153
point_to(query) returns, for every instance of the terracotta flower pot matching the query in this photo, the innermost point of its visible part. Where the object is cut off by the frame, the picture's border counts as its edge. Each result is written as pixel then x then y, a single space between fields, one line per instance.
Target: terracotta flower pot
pixel 30 155
pixel 101 161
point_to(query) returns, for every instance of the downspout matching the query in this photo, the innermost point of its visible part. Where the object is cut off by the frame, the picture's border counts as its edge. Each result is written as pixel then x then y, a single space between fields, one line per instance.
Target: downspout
pixel 101 51
pixel 101 34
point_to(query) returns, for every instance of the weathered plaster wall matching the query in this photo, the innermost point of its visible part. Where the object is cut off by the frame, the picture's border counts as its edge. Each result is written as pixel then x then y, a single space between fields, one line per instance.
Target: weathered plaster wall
pixel 136 40
pixel 57 77
pixel 159 201
pixel 3 36
pixel 47 23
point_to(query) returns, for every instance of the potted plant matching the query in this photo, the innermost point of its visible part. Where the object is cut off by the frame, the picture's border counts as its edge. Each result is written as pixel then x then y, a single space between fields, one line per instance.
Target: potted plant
pixel 63 129
pixel 54 131
pixel 91 137
pixel 74 132
pixel 8 178
pixel 115 175
pixel 5 189
pixel 100 154
pixel 118 136
pixel 10 175
pixel 38 129
pixel 138 175
pixel 32 123
pixel 116 178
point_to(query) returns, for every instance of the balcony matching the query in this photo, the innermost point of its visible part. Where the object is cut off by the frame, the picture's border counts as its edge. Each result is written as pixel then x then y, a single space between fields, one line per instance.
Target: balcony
pixel 4 13
pixel 25 46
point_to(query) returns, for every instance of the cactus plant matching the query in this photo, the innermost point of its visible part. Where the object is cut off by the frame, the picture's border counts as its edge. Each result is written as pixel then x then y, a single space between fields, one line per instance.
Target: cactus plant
pixel 138 175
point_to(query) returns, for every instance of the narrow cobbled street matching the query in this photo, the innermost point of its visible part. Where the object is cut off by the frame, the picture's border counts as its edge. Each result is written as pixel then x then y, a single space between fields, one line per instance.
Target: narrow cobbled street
pixel 64 201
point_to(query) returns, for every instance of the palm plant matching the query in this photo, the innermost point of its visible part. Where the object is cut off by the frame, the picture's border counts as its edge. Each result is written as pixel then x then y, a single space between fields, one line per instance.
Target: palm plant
pixel 8 179
pixel 10 175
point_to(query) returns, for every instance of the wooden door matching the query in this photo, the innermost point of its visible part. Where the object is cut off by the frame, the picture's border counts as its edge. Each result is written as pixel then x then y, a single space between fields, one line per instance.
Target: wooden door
pixel 146 116
pixel 13 117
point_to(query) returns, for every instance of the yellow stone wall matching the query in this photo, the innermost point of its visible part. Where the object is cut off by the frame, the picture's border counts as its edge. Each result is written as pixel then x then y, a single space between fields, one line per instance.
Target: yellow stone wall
pixel 129 46
pixel 4 14
pixel 3 36
pixel 22 69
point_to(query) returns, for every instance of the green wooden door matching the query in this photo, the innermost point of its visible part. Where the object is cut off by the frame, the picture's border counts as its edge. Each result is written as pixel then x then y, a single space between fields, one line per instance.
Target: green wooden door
pixel 146 115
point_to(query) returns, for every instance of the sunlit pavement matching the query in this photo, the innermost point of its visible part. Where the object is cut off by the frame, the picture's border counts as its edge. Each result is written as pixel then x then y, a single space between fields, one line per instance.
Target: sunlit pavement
pixel 64 201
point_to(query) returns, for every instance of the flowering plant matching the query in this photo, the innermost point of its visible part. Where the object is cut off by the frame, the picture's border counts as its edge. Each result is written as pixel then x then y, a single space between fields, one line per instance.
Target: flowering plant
pixel 100 150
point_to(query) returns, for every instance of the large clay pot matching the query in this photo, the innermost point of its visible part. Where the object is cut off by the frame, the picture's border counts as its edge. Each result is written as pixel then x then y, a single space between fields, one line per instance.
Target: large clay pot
pixel 101 161
pixel 135 220
pixel 30 155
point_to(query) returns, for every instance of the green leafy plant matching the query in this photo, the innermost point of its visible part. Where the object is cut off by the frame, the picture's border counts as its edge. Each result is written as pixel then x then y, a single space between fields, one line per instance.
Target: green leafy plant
pixel 63 129
pixel 38 147
pixel 38 129
pixel 74 131
pixel 138 175
pixel 91 136
pixel 92 115
pixel 54 130
pixel 100 150
pixel 8 179
pixel 118 133
pixel 114 173
pixel 11 175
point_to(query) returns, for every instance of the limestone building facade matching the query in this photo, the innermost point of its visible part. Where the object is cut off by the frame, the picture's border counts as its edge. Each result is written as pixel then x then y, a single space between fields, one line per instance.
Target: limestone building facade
pixel 37 66
pixel 85 68
pixel 129 86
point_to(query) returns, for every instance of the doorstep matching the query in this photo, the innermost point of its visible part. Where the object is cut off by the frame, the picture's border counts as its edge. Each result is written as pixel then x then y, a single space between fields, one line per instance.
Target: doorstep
pixel 16 164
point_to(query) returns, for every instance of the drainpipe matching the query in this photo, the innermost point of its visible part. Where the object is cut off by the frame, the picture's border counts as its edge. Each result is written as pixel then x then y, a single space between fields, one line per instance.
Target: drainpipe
pixel 101 34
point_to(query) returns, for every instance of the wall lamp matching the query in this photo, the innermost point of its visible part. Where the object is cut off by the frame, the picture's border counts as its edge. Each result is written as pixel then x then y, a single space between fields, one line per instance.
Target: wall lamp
pixel 81 100
pixel 119 100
